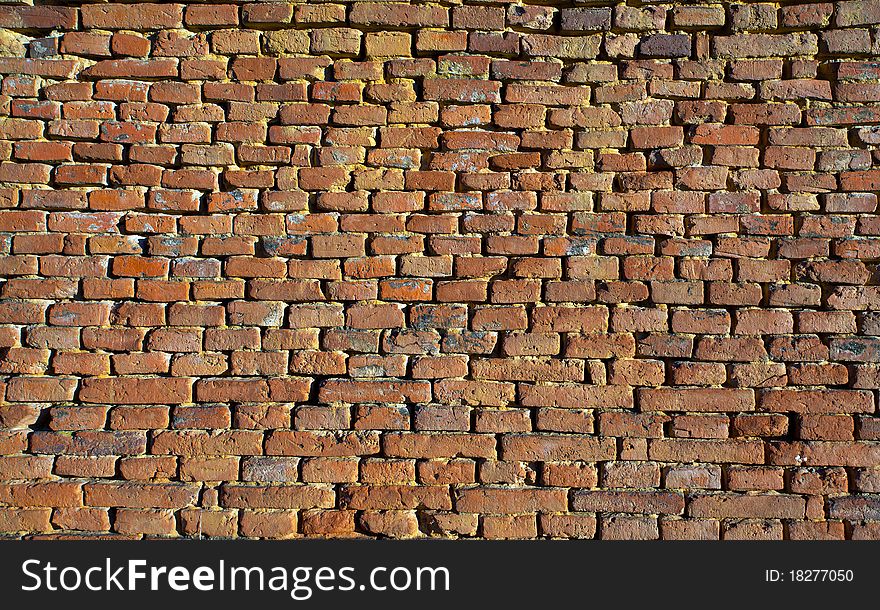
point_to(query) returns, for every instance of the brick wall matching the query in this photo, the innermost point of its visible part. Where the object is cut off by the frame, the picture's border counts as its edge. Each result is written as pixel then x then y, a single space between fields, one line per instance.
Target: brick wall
pixel 473 269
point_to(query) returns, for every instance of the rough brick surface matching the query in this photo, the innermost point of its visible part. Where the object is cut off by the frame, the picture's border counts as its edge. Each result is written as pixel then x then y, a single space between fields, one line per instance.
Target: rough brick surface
pixel 464 269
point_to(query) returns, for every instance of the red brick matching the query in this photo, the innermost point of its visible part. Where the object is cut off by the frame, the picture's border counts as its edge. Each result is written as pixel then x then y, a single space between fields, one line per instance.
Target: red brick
pixel 136 390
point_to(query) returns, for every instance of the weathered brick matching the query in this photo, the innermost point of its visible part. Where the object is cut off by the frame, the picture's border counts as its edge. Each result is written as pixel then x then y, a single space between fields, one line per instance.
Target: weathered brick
pixel 136 390
pixel 720 506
